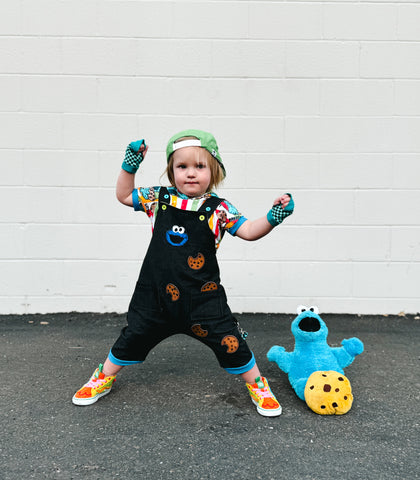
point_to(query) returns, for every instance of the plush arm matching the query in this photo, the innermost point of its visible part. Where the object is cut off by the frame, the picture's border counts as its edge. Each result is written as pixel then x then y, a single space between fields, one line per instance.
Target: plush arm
pixel 347 353
pixel 281 357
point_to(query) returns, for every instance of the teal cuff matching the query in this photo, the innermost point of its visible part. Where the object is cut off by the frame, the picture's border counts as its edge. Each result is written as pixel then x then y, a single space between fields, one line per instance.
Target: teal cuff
pixel 122 363
pixel 232 230
pixel 128 168
pixel 135 196
pixel 243 369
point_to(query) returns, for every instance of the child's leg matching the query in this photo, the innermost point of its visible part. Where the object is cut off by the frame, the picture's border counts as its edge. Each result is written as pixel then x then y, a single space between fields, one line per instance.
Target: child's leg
pixel 111 368
pixel 252 374
pixel 235 357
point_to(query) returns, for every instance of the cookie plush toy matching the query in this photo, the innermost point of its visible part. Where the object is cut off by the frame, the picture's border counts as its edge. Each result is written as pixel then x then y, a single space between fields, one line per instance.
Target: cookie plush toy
pixel 314 368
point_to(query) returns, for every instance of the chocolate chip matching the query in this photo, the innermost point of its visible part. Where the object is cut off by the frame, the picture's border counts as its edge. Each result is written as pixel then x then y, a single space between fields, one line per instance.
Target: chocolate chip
pixel 327 388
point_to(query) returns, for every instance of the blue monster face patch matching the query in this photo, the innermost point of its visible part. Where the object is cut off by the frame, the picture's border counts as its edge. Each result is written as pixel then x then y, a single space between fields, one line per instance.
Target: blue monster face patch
pixel 177 236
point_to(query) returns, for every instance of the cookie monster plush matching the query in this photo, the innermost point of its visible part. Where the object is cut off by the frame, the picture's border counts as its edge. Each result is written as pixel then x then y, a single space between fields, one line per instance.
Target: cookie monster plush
pixel 314 368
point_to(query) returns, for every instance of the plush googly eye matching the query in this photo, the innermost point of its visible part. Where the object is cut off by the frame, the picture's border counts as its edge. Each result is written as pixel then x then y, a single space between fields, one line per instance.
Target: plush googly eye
pixel 181 230
pixel 314 309
pixel 301 308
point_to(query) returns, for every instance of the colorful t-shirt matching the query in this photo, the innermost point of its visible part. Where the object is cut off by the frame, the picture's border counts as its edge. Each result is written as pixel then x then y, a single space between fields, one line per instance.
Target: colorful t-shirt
pixel 225 218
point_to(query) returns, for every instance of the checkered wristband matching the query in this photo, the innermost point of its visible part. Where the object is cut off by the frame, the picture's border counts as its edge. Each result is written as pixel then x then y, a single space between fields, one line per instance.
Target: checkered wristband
pixel 133 157
pixel 277 213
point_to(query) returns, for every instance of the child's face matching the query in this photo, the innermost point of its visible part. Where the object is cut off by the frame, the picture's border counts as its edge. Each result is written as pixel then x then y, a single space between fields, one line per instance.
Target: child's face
pixel 192 173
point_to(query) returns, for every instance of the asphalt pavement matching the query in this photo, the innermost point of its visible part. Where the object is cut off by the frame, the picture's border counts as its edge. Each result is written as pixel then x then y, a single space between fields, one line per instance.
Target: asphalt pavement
pixel 180 416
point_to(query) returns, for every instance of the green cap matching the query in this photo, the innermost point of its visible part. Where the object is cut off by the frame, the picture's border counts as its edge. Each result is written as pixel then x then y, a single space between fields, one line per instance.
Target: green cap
pixel 200 139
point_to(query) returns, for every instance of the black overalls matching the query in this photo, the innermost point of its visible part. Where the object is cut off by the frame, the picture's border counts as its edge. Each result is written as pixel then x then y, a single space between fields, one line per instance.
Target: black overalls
pixel 179 291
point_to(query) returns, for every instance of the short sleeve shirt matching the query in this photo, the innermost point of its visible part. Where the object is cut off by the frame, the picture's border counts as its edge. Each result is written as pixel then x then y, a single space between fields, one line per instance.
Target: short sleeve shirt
pixel 226 218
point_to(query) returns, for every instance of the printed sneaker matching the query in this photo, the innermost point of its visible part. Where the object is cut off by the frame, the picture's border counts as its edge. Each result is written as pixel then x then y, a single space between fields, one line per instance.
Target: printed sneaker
pixel 263 398
pixel 98 386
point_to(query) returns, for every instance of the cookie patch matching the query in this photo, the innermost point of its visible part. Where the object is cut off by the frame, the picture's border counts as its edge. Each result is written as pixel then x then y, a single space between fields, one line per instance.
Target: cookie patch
pixel 209 287
pixel 173 291
pixel 199 331
pixel 196 262
pixel 152 194
pixel 222 216
pixel 328 393
pixel 231 342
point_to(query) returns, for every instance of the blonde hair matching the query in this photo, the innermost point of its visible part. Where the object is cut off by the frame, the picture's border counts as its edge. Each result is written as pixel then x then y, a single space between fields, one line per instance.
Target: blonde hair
pixel 216 172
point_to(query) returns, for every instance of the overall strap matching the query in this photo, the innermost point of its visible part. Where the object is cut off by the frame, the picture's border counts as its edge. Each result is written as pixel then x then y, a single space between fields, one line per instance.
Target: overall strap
pixel 164 196
pixel 210 205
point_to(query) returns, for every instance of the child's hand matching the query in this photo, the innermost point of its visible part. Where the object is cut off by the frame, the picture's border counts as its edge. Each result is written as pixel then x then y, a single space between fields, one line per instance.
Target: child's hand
pixel 282 208
pixel 284 200
pixel 134 155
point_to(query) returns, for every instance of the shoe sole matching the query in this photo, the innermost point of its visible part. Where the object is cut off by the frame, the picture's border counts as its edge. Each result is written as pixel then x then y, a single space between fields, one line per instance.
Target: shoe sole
pixel 265 412
pixel 81 402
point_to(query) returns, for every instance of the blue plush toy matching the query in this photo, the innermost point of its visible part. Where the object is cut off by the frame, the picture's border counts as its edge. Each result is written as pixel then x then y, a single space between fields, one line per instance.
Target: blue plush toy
pixel 314 368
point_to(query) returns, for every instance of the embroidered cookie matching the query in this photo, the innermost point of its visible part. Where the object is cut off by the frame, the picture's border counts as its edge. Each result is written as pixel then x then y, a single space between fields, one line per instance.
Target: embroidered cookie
pixel 221 215
pixel 173 291
pixel 231 342
pixel 151 195
pixel 209 287
pixel 196 262
pixel 328 393
pixel 199 331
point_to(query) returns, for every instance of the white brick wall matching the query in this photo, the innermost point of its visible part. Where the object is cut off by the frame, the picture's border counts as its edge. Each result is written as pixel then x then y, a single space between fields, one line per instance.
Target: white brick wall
pixel 318 98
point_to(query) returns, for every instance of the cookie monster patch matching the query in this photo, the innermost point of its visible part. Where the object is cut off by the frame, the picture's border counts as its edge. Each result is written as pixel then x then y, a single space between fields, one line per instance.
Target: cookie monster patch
pixel 177 236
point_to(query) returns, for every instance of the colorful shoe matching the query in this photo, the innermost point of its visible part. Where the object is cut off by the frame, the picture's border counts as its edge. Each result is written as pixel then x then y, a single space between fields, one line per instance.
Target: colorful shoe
pixel 98 386
pixel 263 398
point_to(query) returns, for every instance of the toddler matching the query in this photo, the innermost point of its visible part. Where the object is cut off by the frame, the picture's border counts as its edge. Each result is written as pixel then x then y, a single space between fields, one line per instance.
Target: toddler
pixel 179 289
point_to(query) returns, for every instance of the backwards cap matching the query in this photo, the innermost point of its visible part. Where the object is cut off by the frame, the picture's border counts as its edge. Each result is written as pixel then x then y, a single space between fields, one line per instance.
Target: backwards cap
pixel 200 139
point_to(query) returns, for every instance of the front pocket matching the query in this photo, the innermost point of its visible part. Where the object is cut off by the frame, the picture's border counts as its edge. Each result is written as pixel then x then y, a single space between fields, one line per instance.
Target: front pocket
pixel 205 306
pixel 144 299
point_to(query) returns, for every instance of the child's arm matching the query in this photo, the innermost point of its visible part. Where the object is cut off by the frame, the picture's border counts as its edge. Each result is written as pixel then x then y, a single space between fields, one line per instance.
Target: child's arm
pixel 134 155
pixel 125 187
pixel 255 229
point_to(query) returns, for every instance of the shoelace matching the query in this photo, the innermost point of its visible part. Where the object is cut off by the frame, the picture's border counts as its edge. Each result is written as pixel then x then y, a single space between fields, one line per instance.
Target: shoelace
pixel 95 381
pixel 262 392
